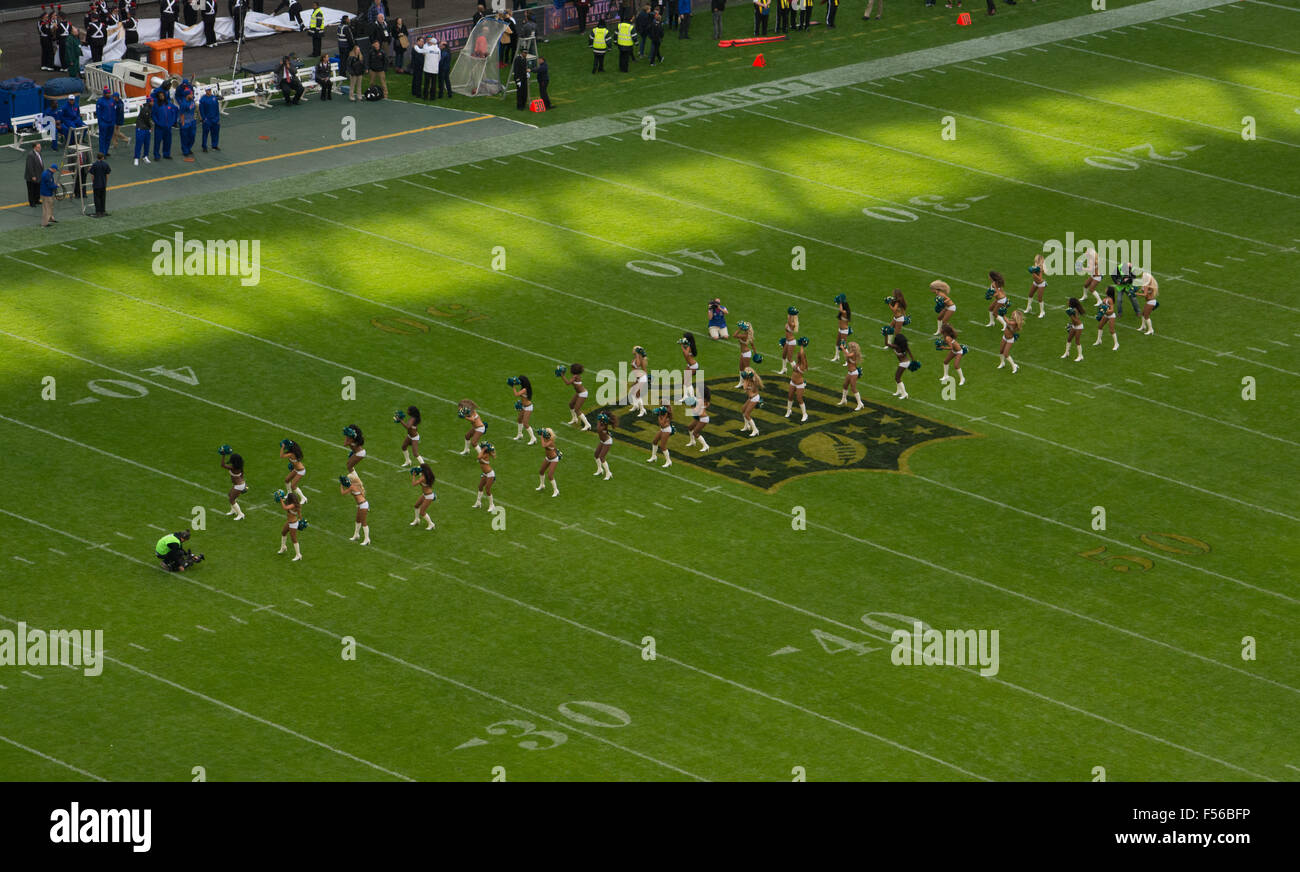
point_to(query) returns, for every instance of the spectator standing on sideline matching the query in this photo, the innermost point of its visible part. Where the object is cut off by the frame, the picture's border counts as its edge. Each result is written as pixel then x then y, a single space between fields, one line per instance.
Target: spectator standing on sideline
pixel 582 6
pixel 46 27
pixel 119 118
pixel 528 34
pixel 188 123
pixel 430 58
pixel 656 39
pixel 684 17
pixel 106 117
pixel 643 19
pixel 718 7
pixel 626 40
pixel 289 82
pixel 520 74
pixel 164 119
pixel 210 23
pixel 379 33
pixel 401 43
pixel 32 174
pixel 48 188
pixel 804 8
pixel 866 16
pixel 72 52
pixel 324 79
pixel 99 171
pixel 832 6
pixel 762 11
pixel 480 12
pixel 316 27
pixel 346 39
pixel 143 127
pixel 509 39
pixel 379 67
pixel 672 14
pixel 356 68
pixel 444 69
pixel 783 16
pixel 544 82
pixel 210 113
pixel 598 39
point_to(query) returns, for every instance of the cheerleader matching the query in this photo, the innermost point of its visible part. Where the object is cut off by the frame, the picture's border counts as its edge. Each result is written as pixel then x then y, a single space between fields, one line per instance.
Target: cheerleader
pixel 1037 282
pixel 843 318
pixel 1106 317
pixel 905 363
pixel 745 338
pixel 852 359
pixel 487 475
pixel 1074 330
pixel 237 485
pixel 798 367
pixel 1150 290
pixel 292 451
pixel 787 343
pixel 701 415
pixel 422 477
pixel 351 484
pixel 605 441
pixel 1089 265
pixel 944 307
pixel 356 445
pixel 899 317
pixel 477 428
pixel 998 295
pixel 410 421
pixel 753 384
pixel 666 430
pixel 523 391
pixel 579 394
pixel 551 457
pixel 948 341
pixel 1010 333
pixel 689 353
pixel 640 387
pixel 293 522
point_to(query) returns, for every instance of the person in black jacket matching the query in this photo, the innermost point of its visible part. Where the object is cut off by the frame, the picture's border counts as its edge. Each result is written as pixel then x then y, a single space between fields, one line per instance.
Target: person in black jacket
pixel 642 27
pixel 718 7
pixel 544 82
pixel 99 171
pixel 32 175
pixel 355 64
pixel 289 82
pixel 378 66
pixel 444 70
pixel 656 38
pixel 519 72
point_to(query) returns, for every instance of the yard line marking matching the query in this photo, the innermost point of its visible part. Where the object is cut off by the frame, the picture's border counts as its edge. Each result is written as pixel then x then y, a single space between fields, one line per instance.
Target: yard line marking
pixel 518 544
pixel 23 560
pixel 1055 400
pixel 328 194
pixel 69 247
pixel 355 191
pixel 396 576
pixel 662 506
pixel 692 499
pixel 1043 50
pixel 1229 38
pixel 237 619
pixel 304 200
pixel 1035 408
pixel 546 536
pixel 1188 269
pixel 123 535
pixel 264 608
pixel 489 553
pixel 156 527
pixel 618 139
pixel 634 514
pixel 500 161
pixel 1183 368
pixel 1260 253
pixel 178 226
pixel 1215 265
pixel 1182 72
pixel 173 638
pixel 1158 375
pixel 450 170
pixel 58 552
pixel 1238 259
pixel 93 241
pixel 1089 396
pixel 606 521
pixel 544 151
pixel 141 647
pixel 304 602
pixel 457 560
pixel 203 628
pixel 256 212
pixel 1010 415
pixel 46 254
pixel 33 675
pixel 1280 342
pixel 45 756
pixel 592 142
pixel 1132 381
pixel 569 147
pixel 335 593
pixel 1210 362
pixel 1258 350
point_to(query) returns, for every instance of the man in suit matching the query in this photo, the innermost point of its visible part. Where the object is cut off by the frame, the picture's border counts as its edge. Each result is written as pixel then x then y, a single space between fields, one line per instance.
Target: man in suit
pixel 32 175
pixel 444 70
pixel 99 171
pixel 289 82
pixel 544 82
pixel 519 72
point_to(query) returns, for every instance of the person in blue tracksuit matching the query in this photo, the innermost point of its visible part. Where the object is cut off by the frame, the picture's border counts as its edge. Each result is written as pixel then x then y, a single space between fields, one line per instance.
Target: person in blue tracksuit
pixel 119 118
pixel 69 117
pixel 189 128
pixel 164 119
pixel 106 115
pixel 210 112
pixel 49 187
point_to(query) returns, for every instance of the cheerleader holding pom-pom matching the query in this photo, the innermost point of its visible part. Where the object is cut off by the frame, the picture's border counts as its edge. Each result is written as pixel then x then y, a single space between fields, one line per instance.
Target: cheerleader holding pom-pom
pixel 640 387
pixel 237 484
pixel 410 421
pixel 998 295
pixel 422 477
pixel 666 430
pixel 605 441
pixel 351 484
pixel 293 522
pixel 522 388
pixel 477 428
pixel 292 451
pixel 898 319
pixel 799 366
pixel 906 363
pixel 944 307
pixel 356 445
pixel 700 408
pixel 1010 333
pixel 550 457
pixel 1106 317
pixel 1074 330
pixel 947 341
pixel 487 475
pixel 753 384
pixel 579 398
pixel 745 339
pixel 689 352
pixel 1037 283
pixel 852 359
pixel 843 326
pixel 787 342
pixel 1149 291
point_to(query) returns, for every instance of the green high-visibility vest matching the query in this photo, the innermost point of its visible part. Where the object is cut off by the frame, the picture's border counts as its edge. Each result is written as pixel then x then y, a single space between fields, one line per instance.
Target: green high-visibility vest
pixel 625 34
pixel 318 19
pixel 599 37
pixel 165 543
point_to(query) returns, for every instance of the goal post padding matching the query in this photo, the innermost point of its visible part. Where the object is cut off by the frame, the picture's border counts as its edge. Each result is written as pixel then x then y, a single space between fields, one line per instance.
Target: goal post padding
pixel 475 73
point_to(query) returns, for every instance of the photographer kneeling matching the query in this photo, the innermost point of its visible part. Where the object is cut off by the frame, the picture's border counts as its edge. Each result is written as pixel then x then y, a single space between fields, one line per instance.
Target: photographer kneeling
pixel 174 555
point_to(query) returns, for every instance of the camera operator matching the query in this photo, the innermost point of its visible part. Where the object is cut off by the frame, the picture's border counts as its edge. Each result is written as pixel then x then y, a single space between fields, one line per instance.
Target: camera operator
pixel 174 555
pixel 1123 279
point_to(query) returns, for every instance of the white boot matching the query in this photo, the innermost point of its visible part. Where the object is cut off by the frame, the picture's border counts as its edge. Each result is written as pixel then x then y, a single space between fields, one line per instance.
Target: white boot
pixel 608 473
pixel 857 396
pixel 704 446
pixel 541 482
pixel 803 411
pixel 302 497
pixel 668 461
pixel 1011 360
pixel 585 424
pixel 1067 350
pixel 789 408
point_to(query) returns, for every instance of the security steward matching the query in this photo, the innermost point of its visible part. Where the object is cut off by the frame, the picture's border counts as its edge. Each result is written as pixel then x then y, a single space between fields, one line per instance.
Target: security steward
pixel 316 25
pixel 598 39
pixel 519 71
pixel 626 44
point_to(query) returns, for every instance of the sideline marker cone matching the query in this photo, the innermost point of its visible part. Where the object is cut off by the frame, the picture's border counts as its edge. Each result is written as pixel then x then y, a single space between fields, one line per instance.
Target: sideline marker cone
pixel 963 19
pixel 759 62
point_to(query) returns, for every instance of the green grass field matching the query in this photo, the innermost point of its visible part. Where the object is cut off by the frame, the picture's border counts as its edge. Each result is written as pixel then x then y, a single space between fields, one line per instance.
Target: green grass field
pixel 525 647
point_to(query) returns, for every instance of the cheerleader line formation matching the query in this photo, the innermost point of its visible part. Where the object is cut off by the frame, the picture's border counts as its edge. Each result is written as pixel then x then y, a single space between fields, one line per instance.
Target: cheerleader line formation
pixel 794 360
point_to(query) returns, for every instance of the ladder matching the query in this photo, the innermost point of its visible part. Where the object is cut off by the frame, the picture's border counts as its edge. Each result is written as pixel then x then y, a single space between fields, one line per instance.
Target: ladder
pixel 76 160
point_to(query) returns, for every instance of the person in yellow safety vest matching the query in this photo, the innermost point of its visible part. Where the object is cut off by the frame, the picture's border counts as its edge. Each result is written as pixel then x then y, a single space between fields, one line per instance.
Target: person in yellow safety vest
pixel 783 16
pixel 626 43
pixel 598 39
pixel 316 26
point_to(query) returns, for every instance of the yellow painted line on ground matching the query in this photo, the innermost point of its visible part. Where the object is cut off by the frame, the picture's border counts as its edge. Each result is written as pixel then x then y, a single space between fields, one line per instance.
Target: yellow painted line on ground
pixel 244 163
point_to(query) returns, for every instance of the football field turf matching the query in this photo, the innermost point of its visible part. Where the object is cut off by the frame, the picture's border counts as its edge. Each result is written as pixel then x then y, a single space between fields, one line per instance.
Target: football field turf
pixel 1127 523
